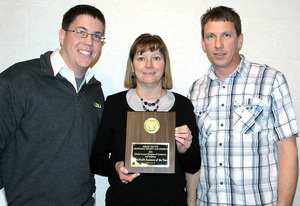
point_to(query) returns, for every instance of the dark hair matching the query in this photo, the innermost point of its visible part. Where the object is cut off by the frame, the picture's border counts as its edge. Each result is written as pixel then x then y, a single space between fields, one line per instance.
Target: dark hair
pixel 148 42
pixel 221 13
pixel 75 11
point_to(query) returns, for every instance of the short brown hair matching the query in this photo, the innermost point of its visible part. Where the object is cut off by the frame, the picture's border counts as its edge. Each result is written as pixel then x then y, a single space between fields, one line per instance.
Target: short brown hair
pixel 221 13
pixel 77 10
pixel 142 44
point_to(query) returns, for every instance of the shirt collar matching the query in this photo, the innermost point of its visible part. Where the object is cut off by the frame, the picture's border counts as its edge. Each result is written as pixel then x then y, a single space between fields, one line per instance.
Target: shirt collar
pixel 241 69
pixel 58 64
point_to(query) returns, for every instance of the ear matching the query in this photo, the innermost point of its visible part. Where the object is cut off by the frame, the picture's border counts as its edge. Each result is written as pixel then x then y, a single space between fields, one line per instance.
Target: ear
pixel 203 45
pixel 240 41
pixel 62 35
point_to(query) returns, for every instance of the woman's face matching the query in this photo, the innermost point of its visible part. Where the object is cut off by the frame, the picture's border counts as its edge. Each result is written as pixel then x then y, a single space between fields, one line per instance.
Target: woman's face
pixel 148 68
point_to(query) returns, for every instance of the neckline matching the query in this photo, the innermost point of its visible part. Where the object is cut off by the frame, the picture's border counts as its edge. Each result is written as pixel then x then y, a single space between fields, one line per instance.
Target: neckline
pixel 167 102
pixel 149 105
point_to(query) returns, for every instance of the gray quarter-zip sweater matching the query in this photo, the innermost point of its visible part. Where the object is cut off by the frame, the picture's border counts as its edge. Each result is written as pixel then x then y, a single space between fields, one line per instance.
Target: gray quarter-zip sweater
pixel 46 135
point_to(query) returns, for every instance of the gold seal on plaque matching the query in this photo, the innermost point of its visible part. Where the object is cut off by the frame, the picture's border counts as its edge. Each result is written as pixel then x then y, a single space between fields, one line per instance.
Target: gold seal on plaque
pixel 151 125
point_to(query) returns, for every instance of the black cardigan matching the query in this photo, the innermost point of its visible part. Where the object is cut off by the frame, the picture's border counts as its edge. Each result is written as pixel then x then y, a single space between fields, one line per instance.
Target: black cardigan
pixel 147 189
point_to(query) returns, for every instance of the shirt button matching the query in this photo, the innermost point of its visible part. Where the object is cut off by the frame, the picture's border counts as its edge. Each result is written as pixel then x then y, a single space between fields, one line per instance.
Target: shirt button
pixel 223 87
pixel 222 125
pixel 220 144
pixel 221 183
pixel 221 164
pixel 222 105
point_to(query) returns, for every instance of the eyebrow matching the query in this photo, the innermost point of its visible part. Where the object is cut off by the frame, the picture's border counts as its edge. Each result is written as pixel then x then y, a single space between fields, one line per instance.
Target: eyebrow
pixel 83 28
pixel 215 33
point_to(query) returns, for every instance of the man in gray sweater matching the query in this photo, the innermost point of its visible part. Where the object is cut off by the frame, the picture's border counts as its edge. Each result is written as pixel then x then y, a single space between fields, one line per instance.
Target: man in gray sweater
pixel 50 111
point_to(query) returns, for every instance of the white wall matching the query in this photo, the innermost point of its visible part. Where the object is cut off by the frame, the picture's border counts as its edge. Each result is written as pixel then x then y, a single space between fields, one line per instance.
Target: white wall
pixel 271 35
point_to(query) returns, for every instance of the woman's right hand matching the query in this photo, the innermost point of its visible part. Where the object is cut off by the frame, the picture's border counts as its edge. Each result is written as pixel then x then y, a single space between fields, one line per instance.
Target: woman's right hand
pixel 123 173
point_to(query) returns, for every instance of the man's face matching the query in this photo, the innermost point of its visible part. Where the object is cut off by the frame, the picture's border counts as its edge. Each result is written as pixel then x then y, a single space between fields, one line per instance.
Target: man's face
pixel 80 53
pixel 222 45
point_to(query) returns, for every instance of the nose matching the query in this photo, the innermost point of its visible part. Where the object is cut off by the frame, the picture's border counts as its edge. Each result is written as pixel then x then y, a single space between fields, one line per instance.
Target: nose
pixel 149 63
pixel 218 42
pixel 88 40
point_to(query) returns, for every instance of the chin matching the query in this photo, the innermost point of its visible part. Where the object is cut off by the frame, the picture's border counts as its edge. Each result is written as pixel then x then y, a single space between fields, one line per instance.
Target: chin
pixel 85 64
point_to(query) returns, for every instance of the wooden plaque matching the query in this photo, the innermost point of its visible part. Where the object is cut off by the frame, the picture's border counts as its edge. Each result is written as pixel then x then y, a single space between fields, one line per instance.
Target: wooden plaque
pixel 150 142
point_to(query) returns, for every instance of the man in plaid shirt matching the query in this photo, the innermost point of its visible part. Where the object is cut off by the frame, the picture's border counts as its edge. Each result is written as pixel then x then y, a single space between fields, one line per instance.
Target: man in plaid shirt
pixel 246 121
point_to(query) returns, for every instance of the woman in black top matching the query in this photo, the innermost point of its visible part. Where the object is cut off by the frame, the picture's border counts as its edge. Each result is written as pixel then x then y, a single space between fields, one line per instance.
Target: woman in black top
pixel 148 78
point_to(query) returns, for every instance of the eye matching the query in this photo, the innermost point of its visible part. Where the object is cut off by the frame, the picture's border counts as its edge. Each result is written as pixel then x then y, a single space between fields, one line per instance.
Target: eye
pixel 157 58
pixel 97 37
pixel 140 58
pixel 210 36
pixel 80 33
pixel 227 35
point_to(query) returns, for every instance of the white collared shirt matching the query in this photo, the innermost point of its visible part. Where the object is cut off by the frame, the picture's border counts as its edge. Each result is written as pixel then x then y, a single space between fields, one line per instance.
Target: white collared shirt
pixel 59 66
pixel 3 200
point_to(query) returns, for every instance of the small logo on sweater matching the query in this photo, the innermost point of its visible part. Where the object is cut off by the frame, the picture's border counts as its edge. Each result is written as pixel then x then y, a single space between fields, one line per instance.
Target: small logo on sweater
pixel 97 105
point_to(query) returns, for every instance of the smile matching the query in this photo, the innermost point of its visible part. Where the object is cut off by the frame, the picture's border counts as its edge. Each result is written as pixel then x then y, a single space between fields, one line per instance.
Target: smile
pixel 85 52
pixel 149 72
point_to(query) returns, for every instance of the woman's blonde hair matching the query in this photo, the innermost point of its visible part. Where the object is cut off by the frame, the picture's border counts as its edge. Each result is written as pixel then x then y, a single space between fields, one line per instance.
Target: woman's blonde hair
pixel 148 42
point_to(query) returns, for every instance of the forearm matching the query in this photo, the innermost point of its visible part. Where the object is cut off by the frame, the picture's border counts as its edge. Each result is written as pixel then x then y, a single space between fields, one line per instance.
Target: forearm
pixel 287 181
pixel 192 181
pixel 287 175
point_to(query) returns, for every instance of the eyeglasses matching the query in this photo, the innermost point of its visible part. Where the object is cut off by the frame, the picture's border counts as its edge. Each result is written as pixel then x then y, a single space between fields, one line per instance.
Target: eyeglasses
pixel 83 34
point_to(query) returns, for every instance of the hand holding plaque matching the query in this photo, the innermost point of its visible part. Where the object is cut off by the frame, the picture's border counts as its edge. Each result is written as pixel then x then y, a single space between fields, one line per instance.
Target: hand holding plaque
pixel 150 143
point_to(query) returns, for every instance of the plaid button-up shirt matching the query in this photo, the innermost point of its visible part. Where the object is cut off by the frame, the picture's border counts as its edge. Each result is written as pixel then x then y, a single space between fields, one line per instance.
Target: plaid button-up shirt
pixel 239 121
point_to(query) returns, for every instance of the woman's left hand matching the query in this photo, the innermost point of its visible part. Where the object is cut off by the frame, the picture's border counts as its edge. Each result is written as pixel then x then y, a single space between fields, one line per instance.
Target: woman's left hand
pixel 183 137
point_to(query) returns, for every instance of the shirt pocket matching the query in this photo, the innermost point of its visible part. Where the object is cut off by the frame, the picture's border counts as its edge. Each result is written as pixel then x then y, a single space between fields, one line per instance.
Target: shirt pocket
pixel 249 116
pixel 203 118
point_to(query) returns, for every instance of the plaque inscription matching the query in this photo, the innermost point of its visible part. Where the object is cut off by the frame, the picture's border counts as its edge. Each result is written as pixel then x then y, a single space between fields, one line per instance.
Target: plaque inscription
pixel 149 154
